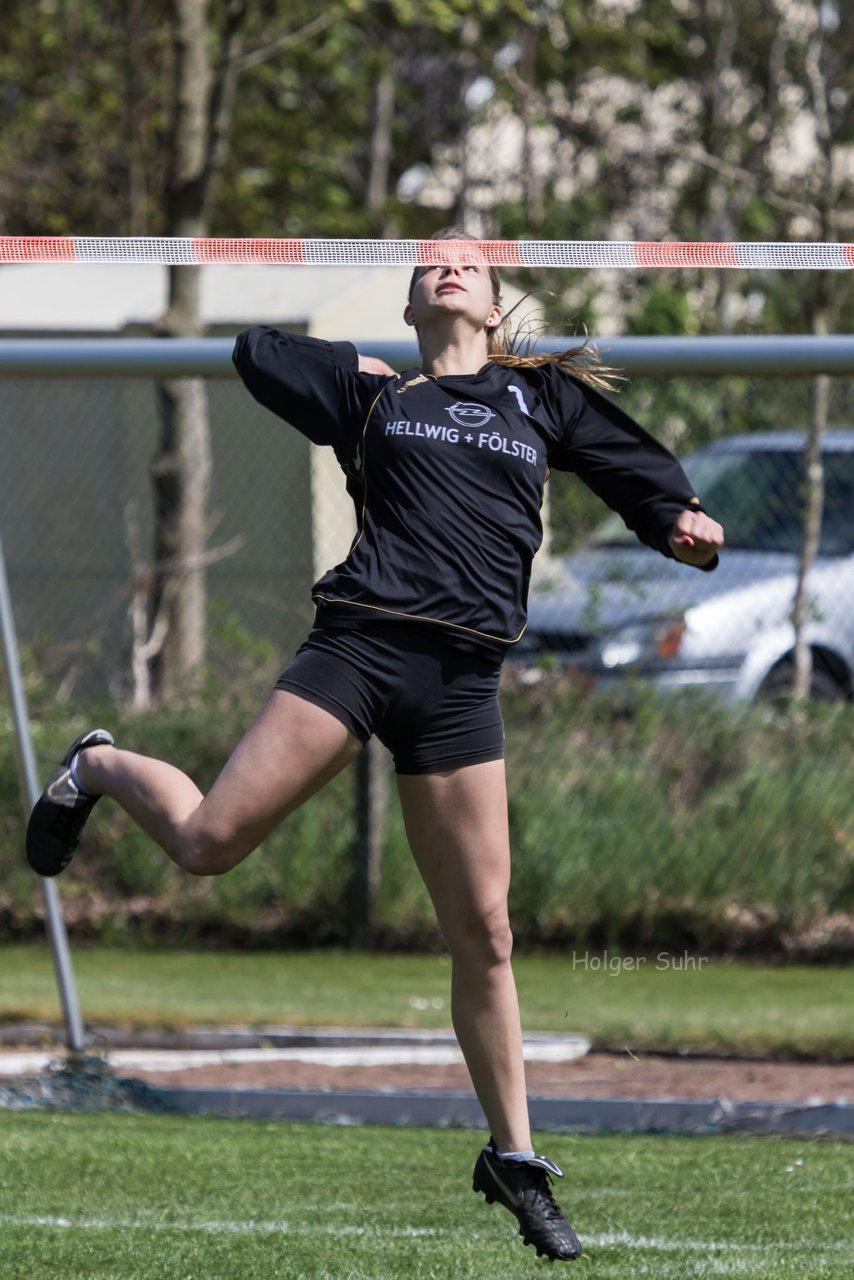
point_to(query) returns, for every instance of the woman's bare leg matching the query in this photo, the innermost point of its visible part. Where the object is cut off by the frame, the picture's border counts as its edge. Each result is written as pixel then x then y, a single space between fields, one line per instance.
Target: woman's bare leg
pixel 291 751
pixel 457 827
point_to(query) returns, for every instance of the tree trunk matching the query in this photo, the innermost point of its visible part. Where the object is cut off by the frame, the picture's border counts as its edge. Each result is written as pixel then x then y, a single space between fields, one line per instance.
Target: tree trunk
pixel 531 181
pixel 463 211
pixel 181 480
pixel 813 512
pixel 134 68
pixel 381 152
pixel 203 98
pixel 814 469
pixel 465 214
pixel 725 200
pixel 371 815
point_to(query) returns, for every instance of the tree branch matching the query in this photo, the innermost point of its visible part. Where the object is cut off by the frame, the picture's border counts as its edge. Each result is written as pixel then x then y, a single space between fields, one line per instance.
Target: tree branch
pixel 736 174
pixel 285 42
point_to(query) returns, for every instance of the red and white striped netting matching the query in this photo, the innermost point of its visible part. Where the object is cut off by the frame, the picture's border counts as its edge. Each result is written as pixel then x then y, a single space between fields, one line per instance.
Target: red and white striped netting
pixel 187 250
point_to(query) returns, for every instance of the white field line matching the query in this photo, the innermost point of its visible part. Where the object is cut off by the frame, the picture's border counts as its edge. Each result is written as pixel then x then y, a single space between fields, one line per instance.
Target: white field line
pixel 610 1239
pixel 14 1063
pixel 248 1227
pixel 702 1268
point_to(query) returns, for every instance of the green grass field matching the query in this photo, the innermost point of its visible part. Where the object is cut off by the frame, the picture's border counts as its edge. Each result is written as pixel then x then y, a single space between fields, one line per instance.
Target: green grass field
pixel 106 1197
pixel 111 1197
pixel 797 1009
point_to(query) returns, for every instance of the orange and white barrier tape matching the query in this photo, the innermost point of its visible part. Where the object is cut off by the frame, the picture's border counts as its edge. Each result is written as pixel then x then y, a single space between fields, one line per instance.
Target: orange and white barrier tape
pixel 627 254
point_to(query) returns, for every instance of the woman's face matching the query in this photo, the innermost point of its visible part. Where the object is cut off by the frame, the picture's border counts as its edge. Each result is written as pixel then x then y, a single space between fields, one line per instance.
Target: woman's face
pixel 464 290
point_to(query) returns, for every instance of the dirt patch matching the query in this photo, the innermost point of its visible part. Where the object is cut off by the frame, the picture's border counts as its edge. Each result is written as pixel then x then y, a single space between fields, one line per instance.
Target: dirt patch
pixel 599 1075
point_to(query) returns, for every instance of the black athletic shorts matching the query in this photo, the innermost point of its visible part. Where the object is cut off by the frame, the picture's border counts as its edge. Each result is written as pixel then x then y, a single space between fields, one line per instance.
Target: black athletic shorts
pixel 434 706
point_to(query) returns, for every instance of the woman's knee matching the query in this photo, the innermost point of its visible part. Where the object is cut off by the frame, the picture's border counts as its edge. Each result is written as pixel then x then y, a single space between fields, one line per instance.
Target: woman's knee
pixel 209 853
pixel 484 937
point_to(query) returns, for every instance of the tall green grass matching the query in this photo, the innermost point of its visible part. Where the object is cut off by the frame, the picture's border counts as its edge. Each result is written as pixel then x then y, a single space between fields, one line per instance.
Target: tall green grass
pixel 635 821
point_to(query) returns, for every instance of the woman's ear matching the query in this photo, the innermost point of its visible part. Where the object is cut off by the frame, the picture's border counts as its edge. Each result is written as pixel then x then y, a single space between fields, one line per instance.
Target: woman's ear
pixel 493 320
pixel 409 316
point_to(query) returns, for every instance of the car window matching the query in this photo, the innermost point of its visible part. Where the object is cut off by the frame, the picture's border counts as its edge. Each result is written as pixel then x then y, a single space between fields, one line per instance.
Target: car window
pixel 758 496
pixel 837 530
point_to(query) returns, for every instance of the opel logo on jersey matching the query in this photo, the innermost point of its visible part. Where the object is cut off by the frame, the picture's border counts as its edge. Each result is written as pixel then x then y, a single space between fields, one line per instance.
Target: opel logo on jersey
pixel 470 415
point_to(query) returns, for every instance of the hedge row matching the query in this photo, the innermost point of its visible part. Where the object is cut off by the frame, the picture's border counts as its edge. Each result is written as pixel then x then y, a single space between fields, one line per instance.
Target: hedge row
pixel 635 822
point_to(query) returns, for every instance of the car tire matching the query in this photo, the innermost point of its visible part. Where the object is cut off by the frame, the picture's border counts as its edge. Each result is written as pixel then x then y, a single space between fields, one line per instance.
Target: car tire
pixel 777 685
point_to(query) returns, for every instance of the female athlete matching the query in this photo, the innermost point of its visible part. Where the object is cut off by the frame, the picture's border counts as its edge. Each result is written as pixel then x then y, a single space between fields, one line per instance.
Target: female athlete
pixel 446 466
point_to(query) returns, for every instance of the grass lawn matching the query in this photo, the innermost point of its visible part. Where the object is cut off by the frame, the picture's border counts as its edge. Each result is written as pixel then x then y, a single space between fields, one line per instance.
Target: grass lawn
pixel 106 1197
pixel 734 1006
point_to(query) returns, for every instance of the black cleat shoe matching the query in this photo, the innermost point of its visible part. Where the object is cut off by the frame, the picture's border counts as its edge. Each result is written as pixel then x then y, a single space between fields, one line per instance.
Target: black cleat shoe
pixel 59 815
pixel 524 1188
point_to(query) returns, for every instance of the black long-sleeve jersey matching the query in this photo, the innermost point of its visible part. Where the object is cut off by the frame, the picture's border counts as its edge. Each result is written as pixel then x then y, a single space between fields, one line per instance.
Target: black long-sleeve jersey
pixel 447 476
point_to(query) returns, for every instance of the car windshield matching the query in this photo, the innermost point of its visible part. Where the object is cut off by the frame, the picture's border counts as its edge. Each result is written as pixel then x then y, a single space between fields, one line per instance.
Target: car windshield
pixel 758 496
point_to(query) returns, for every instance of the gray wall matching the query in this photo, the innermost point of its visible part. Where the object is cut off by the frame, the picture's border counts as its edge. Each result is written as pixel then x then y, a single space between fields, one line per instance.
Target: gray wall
pixel 75 457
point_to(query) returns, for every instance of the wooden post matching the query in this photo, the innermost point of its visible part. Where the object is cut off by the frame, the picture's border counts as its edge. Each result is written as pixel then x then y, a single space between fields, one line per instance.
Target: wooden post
pixel 371 809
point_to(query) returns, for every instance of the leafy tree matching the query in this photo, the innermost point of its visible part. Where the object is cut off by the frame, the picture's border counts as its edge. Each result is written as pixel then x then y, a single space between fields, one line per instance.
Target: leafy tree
pixel 697 120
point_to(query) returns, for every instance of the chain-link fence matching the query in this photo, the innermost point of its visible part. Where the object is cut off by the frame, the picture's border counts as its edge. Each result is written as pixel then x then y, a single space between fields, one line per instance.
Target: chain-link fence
pixel 720 817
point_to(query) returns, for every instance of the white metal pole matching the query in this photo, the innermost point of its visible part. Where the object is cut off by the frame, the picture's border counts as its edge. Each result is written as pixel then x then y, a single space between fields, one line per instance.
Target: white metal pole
pixel 57 934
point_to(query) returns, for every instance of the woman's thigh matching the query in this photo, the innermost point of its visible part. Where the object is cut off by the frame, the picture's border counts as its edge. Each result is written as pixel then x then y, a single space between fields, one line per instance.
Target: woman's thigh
pixel 292 750
pixel 457 826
